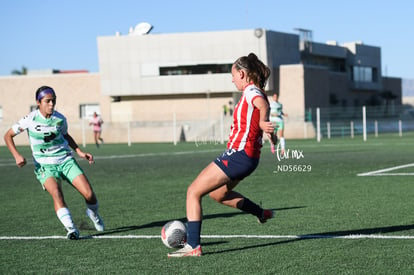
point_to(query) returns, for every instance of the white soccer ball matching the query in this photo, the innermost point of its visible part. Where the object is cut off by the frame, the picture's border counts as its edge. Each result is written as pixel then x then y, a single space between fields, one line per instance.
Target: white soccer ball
pixel 174 234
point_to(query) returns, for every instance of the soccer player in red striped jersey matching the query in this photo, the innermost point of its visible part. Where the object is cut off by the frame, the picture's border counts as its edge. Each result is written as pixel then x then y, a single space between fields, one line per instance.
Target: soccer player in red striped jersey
pixel 250 120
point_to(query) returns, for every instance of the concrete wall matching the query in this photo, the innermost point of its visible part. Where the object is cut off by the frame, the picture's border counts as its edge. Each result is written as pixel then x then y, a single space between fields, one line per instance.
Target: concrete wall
pixel 292 96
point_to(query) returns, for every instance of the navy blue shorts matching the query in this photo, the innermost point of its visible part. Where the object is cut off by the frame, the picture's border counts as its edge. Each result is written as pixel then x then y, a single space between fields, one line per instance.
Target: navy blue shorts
pixel 236 164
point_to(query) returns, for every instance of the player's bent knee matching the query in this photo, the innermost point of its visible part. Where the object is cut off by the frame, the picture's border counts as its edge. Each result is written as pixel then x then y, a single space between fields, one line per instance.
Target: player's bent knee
pixel 217 197
pixel 193 193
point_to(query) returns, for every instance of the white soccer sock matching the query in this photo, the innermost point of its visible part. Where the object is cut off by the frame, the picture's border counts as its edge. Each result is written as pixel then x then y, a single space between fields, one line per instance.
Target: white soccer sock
pixel 65 217
pixel 282 143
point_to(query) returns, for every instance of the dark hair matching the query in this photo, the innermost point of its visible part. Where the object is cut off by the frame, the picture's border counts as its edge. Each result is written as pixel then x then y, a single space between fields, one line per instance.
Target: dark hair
pixel 42 91
pixel 257 72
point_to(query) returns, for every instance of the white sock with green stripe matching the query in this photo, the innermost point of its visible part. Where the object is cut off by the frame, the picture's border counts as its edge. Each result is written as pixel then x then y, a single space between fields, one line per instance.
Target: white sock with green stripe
pixel 65 217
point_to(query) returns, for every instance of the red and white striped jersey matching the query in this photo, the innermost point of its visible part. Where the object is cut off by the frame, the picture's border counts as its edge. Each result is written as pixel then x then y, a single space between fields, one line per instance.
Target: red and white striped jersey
pixel 245 132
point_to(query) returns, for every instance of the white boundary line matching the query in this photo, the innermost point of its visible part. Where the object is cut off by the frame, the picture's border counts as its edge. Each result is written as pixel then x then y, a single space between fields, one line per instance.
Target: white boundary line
pixel 382 172
pixel 297 237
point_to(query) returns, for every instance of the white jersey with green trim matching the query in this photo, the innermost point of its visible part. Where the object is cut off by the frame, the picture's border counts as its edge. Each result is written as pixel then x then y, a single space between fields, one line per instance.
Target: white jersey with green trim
pixel 46 136
pixel 276 110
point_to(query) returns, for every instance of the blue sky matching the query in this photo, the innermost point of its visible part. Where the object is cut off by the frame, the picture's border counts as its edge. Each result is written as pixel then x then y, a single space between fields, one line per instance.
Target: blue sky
pixel 59 34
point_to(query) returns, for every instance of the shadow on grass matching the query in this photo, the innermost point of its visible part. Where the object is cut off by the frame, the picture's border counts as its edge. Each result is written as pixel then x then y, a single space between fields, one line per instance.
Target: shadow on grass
pixel 325 235
pixel 184 220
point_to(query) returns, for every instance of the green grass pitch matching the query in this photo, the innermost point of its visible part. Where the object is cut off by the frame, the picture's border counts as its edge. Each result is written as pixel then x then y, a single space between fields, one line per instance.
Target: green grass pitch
pixel 343 206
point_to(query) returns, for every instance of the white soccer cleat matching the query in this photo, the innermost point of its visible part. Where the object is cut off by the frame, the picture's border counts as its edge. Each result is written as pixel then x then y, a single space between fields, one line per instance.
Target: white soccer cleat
pixel 187 251
pixel 96 219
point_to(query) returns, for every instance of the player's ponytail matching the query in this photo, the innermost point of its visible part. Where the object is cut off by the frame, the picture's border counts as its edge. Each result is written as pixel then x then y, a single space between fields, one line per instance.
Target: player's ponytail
pixel 257 71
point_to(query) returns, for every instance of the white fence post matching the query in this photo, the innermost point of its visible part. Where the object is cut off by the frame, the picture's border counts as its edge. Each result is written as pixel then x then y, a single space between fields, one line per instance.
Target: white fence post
pixel 328 129
pixel 318 124
pixel 222 128
pixel 364 122
pixel 352 129
pixel 129 133
pixel 174 129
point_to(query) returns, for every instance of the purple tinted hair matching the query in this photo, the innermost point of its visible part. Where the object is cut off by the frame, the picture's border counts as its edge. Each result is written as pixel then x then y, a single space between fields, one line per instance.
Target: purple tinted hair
pixel 43 91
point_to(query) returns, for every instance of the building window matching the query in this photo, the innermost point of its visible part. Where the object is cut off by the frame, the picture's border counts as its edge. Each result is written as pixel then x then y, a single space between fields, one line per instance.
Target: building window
pixel 364 74
pixel 374 75
pixel 86 110
pixel 333 64
pixel 196 69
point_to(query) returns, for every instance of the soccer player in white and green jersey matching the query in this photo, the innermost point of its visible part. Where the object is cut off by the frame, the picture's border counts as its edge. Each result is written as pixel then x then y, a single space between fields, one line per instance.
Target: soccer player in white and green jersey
pixel 276 117
pixel 51 148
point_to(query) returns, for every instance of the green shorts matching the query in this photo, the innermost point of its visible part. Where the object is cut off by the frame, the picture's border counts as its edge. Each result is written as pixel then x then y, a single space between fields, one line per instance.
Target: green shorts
pixel 68 170
pixel 278 124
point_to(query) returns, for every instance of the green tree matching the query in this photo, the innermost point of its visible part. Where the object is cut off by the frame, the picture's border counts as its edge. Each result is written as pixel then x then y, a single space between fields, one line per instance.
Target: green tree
pixel 22 72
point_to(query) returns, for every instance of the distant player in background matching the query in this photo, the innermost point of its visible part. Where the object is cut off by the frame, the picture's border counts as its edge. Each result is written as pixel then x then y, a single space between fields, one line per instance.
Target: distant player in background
pixel 276 117
pixel 51 148
pixel 97 128
pixel 241 158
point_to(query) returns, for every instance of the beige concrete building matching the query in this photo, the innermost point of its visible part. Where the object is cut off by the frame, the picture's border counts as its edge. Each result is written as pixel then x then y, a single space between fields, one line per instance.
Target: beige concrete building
pixel 163 87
